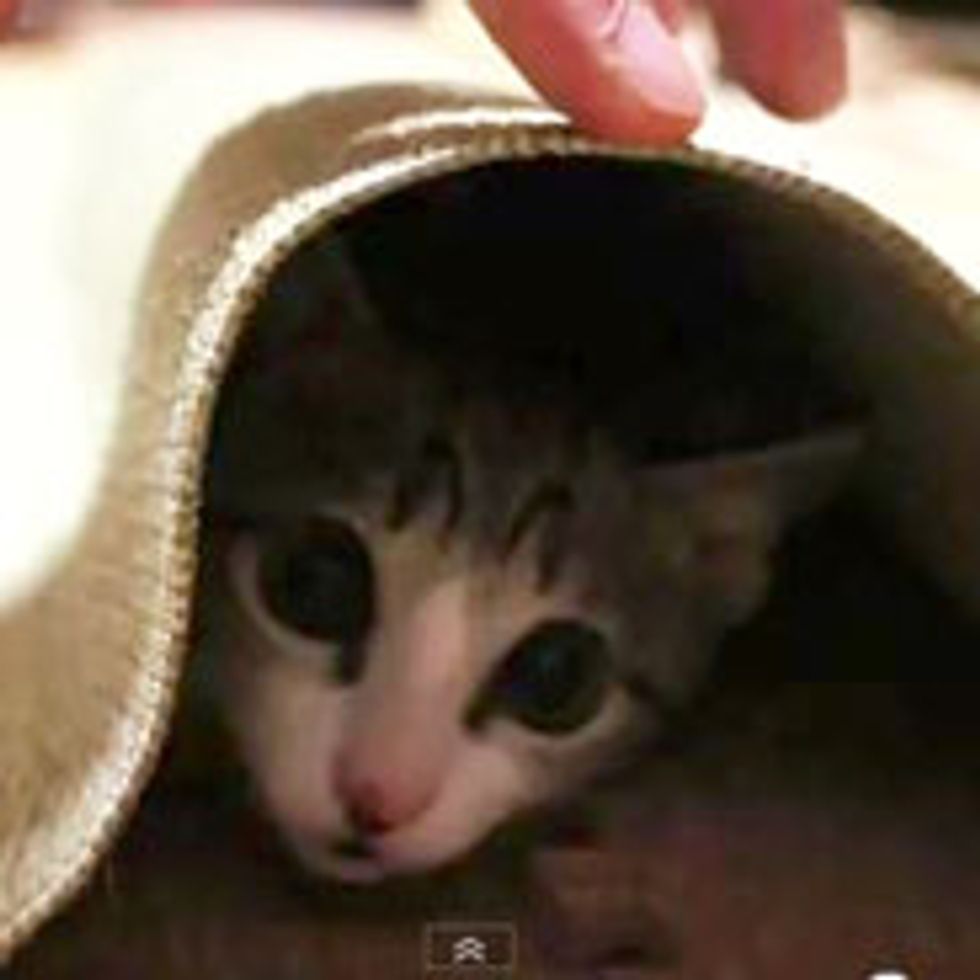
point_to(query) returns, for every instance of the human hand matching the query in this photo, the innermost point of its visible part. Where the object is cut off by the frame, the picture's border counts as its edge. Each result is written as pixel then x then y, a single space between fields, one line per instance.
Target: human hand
pixel 617 68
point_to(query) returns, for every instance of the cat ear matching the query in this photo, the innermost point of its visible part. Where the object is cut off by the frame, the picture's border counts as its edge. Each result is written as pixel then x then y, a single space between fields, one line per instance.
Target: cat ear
pixel 727 512
pixel 317 388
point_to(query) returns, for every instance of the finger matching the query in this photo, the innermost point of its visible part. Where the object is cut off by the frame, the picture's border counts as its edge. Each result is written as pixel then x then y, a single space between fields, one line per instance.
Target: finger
pixel 32 19
pixel 790 54
pixel 612 65
pixel 9 12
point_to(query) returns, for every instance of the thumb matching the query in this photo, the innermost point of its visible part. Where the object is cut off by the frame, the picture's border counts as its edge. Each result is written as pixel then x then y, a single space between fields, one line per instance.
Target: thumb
pixel 613 65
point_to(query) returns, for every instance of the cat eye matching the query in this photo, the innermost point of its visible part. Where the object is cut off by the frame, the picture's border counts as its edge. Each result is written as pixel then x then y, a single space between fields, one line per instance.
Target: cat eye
pixel 318 579
pixel 556 678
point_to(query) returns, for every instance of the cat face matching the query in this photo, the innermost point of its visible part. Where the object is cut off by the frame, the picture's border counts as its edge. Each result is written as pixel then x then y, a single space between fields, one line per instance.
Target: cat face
pixel 401 683
pixel 408 669
pixel 438 593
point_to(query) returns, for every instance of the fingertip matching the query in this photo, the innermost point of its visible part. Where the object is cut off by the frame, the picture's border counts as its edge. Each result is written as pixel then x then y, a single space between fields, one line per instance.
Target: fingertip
pixel 790 55
pixel 613 66
pixel 652 63
pixel 806 95
pixel 637 123
pixel 802 90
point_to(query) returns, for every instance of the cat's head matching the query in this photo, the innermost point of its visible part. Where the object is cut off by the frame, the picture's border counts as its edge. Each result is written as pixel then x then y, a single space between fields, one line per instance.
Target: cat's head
pixel 452 599
pixel 483 629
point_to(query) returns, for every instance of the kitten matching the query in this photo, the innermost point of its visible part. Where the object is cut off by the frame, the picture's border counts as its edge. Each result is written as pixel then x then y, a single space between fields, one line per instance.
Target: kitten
pixel 436 598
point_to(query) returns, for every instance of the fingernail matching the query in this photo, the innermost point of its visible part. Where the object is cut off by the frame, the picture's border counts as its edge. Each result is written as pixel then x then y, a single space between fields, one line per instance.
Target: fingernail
pixel 652 61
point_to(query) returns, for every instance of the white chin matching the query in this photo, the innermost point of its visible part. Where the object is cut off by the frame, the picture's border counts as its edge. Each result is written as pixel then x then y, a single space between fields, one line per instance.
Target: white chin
pixel 367 870
pixel 350 870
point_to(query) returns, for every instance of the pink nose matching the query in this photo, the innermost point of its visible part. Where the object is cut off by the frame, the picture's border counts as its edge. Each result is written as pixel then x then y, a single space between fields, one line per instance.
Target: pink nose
pixel 376 806
pixel 369 810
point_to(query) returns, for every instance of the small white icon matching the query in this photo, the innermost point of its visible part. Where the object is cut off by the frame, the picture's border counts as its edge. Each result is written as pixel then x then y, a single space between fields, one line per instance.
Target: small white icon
pixel 889 975
pixel 470 949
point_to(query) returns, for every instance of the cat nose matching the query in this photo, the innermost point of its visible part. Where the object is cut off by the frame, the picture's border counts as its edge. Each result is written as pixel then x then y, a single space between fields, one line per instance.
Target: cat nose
pixel 374 808
pixel 367 812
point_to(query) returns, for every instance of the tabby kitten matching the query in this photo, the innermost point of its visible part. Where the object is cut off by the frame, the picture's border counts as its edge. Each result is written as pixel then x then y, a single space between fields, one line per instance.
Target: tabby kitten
pixel 434 601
